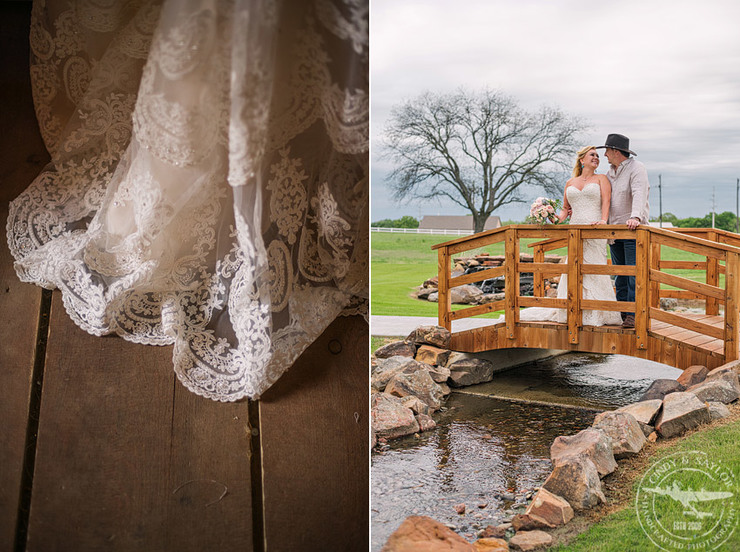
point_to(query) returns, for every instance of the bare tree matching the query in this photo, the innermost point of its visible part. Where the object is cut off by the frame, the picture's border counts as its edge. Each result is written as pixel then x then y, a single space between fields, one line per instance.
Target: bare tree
pixel 477 149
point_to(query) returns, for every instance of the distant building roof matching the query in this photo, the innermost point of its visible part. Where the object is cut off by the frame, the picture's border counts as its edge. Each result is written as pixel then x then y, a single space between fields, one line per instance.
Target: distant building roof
pixel 456 222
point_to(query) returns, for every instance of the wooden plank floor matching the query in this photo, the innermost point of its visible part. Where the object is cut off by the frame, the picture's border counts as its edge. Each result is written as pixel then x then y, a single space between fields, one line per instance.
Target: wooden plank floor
pixel 102 448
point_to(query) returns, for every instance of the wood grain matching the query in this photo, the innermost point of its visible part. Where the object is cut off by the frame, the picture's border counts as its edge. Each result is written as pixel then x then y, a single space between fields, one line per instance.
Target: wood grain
pixel 315 446
pixel 130 460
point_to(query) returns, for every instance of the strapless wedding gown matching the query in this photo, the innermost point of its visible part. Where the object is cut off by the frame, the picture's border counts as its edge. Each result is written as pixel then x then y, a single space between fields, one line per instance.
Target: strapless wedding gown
pixel 586 209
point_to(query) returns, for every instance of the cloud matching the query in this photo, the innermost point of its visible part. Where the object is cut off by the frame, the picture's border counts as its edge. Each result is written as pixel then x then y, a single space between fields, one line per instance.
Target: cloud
pixel 666 74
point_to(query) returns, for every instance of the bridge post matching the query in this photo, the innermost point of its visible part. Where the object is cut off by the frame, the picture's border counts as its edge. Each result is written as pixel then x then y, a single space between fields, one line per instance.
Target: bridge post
pixel 511 289
pixel 642 284
pixel 444 308
pixel 732 306
pixel 654 293
pixel 575 253
pixel 711 304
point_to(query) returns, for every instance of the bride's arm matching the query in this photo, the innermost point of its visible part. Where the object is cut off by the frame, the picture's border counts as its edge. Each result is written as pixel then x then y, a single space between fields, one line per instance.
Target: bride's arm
pixel 566 206
pixel 606 198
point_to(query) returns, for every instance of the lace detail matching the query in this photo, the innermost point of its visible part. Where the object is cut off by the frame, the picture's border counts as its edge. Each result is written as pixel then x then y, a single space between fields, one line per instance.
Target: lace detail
pixel 174 131
pixel 586 205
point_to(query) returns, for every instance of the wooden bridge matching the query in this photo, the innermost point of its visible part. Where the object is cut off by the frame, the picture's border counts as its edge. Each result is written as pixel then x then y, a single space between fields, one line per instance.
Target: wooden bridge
pixel 672 338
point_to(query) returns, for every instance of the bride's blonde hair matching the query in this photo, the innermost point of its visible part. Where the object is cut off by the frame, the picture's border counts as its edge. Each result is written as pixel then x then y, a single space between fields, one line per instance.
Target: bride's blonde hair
pixel 578 169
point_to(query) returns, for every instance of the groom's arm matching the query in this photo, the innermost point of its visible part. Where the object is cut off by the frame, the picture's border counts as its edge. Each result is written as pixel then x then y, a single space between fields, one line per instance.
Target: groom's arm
pixel 640 188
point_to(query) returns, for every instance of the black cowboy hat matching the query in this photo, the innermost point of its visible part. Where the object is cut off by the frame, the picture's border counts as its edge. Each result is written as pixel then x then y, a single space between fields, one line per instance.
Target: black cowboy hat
pixel 618 142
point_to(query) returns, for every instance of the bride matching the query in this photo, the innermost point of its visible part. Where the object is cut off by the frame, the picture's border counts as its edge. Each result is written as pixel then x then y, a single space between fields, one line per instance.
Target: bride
pixel 587 197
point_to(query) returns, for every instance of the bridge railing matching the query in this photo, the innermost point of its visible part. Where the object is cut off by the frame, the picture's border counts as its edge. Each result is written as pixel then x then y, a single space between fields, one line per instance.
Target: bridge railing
pixel 720 249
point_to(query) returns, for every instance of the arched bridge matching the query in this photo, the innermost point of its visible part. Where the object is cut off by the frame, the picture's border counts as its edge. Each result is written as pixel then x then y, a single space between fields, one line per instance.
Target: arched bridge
pixel 677 339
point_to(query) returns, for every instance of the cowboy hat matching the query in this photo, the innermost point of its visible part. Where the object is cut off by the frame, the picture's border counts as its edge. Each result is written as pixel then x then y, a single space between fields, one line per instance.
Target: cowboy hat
pixel 618 142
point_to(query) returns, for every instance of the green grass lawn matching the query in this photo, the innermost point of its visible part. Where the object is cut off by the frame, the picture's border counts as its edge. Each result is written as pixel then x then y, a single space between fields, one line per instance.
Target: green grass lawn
pixel 401 262
pixel 621 530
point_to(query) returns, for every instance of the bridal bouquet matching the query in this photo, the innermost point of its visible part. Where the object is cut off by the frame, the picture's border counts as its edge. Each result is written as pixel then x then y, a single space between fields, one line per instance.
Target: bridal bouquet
pixel 544 210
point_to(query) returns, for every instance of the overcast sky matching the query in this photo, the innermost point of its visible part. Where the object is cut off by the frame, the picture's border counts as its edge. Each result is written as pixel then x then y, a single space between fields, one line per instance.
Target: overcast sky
pixel 664 73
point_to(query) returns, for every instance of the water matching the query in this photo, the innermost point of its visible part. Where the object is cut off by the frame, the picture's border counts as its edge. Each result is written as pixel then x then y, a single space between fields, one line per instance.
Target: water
pixel 490 453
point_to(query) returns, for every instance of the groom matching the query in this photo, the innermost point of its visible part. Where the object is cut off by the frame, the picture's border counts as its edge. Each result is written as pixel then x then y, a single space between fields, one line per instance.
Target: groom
pixel 629 205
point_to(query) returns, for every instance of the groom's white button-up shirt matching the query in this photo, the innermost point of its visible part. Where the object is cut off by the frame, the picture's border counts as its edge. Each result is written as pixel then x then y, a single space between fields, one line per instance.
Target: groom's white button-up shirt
pixel 630 191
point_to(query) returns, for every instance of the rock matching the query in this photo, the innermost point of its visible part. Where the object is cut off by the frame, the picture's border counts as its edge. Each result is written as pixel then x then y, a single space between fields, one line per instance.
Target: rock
pixel 386 368
pixel 495 531
pixel 593 443
pixel 693 375
pixel 626 434
pixel 527 522
pixel 416 405
pixel 440 374
pixel 733 365
pixel 465 295
pixel 653 437
pixel 727 374
pixel 660 388
pixel 431 335
pixel 445 388
pixel 717 410
pixel 466 369
pixel 390 419
pixel 681 411
pixel 491 545
pixel 460 508
pixel 397 348
pixel 423 534
pixel 433 297
pixel 645 413
pixel 419 384
pixel 425 292
pixel 576 479
pixel 425 422
pixel 715 390
pixel 551 508
pixel 432 282
pixel 530 540
pixel 434 356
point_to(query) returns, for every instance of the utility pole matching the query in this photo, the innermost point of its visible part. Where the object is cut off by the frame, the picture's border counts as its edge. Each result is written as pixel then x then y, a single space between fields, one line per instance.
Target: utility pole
pixel 713 205
pixel 660 199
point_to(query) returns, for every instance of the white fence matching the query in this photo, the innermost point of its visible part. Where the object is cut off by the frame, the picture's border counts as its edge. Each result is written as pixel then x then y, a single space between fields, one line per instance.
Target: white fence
pixel 434 231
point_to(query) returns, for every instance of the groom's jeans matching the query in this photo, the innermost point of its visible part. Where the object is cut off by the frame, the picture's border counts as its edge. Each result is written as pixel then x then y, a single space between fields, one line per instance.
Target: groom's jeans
pixel 623 253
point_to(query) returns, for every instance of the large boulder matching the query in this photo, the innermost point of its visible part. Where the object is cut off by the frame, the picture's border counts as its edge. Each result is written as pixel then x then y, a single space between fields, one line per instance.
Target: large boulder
pixel 425 422
pixel 693 375
pixel 440 374
pixel 386 368
pixel 419 384
pixel 416 405
pixel 423 534
pixel 681 411
pixel 576 479
pixel 434 356
pixel 467 294
pixel 626 434
pixel 466 369
pixel 389 418
pixel 396 348
pixel 660 388
pixel 645 412
pixel 551 508
pixel 717 410
pixel 593 443
pixel 431 335
pixel 715 390
pixel 530 540
pixel 725 373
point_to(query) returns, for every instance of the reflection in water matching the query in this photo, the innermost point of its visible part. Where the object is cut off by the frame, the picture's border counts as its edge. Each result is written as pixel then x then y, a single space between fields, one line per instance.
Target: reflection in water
pixel 489 453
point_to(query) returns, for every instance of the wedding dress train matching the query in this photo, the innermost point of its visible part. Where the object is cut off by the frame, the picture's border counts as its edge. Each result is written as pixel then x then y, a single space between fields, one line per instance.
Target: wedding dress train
pixel 586 208
pixel 208 184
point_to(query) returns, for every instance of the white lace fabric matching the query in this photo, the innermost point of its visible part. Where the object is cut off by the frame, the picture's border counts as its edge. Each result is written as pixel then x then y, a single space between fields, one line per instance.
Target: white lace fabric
pixel 209 180
pixel 586 205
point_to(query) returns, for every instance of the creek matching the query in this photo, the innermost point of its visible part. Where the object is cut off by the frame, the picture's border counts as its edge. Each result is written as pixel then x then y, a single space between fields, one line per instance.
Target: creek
pixel 491 447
